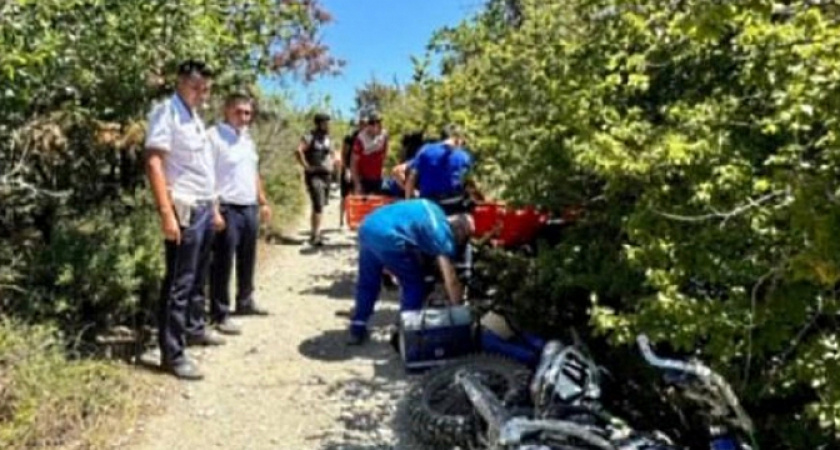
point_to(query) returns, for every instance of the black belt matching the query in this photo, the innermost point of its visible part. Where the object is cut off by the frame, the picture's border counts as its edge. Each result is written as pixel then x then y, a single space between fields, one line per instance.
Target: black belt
pixel 447 199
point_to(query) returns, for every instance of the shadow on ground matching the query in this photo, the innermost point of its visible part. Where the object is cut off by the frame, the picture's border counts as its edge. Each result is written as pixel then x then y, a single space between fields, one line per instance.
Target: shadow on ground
pixel 373 416
pixel 150 364
pixel 331 346
pixel 339 285
pixel 282 239
pixel 325 232
pixel 327 248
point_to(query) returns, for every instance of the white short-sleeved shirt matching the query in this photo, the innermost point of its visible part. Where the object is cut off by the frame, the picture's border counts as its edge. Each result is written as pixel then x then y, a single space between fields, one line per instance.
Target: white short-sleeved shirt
pixel 236 165
pixel 180 132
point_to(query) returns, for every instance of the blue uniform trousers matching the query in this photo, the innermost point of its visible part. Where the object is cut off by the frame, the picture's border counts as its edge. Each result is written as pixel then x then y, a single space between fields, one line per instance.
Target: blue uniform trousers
pixel 237 242
pixel 405 264
pixel 182 297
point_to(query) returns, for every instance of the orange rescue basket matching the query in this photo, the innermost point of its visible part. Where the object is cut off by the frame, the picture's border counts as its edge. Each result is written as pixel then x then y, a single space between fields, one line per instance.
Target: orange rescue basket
pixel 359 206
pixel 520 226
pixel 511 226
pixel 487 217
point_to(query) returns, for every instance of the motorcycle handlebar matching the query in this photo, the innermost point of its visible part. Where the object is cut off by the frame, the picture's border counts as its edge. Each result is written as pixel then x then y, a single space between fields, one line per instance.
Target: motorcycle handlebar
pixel 698 370
pixel 703 373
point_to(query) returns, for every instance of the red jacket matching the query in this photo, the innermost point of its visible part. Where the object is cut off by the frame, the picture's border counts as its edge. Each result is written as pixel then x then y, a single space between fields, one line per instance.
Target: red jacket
pixel 370 153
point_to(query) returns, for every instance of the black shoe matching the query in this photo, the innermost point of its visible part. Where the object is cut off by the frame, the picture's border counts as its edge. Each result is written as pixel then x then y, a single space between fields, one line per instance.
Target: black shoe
pixel 251 310
pixel 185 370
pixel 395 340
pixel 228 327
pixel 357 339
pixel 316 241
pixel 207 339
pixel 388 283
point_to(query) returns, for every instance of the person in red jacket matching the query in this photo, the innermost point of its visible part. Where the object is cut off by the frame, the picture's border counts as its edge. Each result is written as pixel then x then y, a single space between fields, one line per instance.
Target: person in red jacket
pixel 369 152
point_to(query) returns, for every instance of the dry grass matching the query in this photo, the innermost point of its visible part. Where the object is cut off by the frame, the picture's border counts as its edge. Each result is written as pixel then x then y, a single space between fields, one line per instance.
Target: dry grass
pixel 50 401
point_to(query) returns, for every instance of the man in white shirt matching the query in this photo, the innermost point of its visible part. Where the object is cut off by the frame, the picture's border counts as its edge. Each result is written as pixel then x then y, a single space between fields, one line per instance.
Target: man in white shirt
pixel 179 166
pixel 241 199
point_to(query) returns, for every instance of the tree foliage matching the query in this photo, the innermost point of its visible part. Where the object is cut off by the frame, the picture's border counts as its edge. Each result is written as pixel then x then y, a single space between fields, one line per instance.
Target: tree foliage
pixel 76 80
pixel 701 137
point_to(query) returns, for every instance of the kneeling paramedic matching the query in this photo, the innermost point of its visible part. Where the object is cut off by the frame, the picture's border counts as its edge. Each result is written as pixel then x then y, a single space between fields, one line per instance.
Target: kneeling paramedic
pixel 399 237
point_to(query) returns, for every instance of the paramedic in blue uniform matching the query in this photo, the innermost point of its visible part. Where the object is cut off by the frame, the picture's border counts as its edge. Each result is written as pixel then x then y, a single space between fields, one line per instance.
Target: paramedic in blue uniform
pixel 179 166
pixel 242 203
pixel 438 170
pixel 397 237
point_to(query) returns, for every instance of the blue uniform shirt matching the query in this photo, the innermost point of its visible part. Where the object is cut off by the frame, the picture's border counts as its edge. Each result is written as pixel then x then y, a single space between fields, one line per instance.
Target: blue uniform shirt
pixel 440 169
pixel 409 225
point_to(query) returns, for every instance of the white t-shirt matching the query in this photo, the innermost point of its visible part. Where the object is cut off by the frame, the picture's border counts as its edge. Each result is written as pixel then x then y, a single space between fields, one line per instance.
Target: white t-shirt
pixel 188 165
pixel 236 164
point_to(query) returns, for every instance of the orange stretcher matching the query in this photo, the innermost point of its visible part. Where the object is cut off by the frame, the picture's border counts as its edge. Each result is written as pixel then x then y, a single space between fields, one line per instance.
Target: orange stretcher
pixel 359 206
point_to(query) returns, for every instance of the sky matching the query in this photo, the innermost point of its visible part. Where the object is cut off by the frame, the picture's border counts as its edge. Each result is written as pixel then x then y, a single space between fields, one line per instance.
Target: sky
pixel 377 38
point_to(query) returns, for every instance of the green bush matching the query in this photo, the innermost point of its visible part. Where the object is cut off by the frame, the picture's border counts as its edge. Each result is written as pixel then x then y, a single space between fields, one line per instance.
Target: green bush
pixel 701 138
pixel 98 271
pixel 47 400
pixel 79 77
pixel 79 247
pixel 277 134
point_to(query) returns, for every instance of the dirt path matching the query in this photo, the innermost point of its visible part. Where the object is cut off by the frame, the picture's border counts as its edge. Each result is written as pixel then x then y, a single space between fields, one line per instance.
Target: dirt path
pixel 289 381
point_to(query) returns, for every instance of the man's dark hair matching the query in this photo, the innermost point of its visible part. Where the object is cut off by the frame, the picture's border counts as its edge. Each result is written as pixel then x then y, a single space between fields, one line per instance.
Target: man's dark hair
pixel 237 97
pixel 321 118
pixel 450 131
pixel 373 117
pixel 193 67
pixel 411 144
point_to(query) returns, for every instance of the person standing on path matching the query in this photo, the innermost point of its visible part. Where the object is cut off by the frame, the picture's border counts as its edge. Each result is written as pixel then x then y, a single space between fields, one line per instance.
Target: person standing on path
pixel 179 166
pixel 399 237
pixel 315 154
pixel 346 174
pixel 241 200
pixel 369 152
pixel 438 171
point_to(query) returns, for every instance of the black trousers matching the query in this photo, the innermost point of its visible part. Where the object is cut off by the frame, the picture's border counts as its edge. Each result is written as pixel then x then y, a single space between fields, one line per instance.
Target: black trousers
pixel 317 185
pixel 236 243
pixel 182 298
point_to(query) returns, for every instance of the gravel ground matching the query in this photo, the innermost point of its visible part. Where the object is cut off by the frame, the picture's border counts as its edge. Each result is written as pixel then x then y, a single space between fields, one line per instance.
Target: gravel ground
pixel 289 381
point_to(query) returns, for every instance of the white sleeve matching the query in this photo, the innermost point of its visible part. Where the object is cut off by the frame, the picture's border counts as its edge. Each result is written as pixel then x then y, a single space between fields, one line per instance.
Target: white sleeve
pixel 215 153
pixel 159 130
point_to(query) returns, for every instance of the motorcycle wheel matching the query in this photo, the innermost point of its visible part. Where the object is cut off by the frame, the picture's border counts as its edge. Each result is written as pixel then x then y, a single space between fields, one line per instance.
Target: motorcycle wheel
pixel 439 412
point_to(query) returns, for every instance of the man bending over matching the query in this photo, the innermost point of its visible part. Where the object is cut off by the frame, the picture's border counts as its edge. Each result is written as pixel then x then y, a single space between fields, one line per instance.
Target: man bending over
pixel 398 237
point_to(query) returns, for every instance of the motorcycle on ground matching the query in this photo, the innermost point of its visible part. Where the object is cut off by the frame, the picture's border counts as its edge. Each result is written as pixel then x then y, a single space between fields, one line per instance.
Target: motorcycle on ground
pixel 560 406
